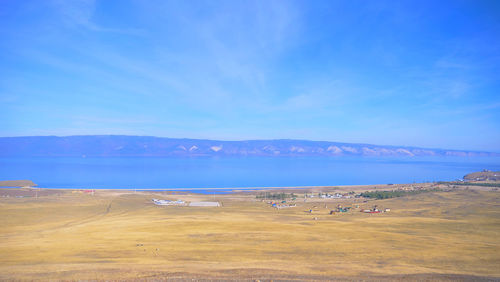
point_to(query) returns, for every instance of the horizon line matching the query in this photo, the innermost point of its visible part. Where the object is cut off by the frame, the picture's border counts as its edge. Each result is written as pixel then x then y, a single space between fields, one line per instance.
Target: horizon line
pixel 246 140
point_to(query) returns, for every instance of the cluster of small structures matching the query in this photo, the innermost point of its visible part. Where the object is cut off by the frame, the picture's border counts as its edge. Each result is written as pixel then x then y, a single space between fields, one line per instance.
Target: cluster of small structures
pixel 341 209
pixel 374 210
pixel 168 202
pixel 281 205
pixel 338 209
pixel 331 196
pixel 183 203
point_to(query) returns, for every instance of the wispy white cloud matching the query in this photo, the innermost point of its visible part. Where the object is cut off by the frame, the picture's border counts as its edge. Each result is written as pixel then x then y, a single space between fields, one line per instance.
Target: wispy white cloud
pixel 79 13
pixel 321 70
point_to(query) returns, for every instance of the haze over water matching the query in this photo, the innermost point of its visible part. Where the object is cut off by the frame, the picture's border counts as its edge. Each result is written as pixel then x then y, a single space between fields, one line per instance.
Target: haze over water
pixel 151 172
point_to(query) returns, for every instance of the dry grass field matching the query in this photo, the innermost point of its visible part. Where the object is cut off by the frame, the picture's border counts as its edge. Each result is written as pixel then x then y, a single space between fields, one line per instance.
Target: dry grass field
pixel 122 235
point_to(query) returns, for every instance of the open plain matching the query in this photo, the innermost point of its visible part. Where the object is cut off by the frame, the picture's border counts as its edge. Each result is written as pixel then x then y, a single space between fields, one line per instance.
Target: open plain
pixel 452 234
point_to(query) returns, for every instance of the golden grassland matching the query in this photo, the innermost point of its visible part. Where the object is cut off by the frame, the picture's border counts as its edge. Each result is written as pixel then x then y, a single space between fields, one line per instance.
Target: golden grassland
pixel 121 235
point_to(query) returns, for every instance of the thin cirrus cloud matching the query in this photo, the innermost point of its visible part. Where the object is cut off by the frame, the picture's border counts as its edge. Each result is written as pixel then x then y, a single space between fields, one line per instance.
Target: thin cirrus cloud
pixel 384 72
pixel 79 14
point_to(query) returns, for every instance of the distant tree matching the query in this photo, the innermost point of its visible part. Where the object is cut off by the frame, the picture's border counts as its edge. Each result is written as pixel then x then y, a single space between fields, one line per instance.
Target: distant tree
pixel 394 193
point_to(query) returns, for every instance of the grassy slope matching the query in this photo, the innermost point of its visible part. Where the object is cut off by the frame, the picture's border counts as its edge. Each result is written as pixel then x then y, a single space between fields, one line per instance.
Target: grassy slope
pixel 79 236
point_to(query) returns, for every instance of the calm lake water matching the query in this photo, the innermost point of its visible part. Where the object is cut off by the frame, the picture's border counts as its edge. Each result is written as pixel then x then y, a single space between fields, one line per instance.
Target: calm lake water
pixel 148 172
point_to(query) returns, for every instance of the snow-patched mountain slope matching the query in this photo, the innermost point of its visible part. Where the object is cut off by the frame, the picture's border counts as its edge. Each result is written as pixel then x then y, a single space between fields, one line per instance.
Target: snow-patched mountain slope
pixel 118 145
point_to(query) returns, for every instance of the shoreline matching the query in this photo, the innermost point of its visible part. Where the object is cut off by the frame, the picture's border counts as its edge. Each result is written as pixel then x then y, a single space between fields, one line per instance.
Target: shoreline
pixel 229 188
pixel 285 189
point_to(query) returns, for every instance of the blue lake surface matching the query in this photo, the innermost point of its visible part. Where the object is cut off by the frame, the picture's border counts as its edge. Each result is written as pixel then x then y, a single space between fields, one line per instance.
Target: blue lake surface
pixel 151 172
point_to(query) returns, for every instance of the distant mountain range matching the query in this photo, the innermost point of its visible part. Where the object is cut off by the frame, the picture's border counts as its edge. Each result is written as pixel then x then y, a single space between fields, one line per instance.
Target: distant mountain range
pixel 120 145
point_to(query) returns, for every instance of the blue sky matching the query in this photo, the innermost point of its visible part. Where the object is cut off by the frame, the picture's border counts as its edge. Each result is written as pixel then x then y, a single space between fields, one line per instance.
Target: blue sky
pixel 419 73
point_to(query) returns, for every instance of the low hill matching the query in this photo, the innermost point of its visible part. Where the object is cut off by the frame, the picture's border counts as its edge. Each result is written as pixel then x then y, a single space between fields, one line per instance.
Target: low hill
pixel 116 145
pixel 17 183
pixel 483 176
